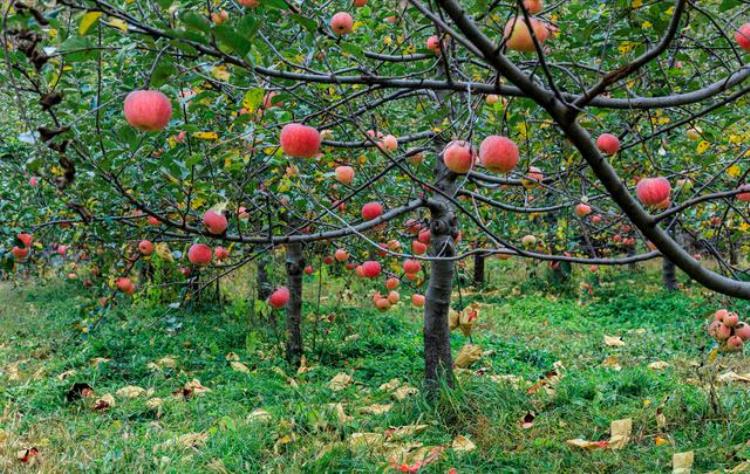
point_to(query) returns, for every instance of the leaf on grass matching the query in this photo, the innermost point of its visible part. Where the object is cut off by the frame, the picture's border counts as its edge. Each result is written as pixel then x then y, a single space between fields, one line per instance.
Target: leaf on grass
pixel 217 466
pixel 620 431
pixel 190 389
pixel 340 381
pixel 658 365
pixel 468 354
pixel 67 374
pixel 186 441
pixel 376 409
pixel 131 391
pixel 168 362
pixel 613 341
pixel 661 420
pixel 104 403
pixel 99 360
pixel 550 379
pixel 370 441
pixel 413 459
pixel 463 444
pixel 682 463
pixel 28 456
pixel 259 415
pixel 303 367
pixel 154 403
pixel 404 392
pixel 341 415
pixel 514 380
pixel 583 444
pixel 400 432
pixel 612 362
pixel 732 376
pixel 232 356
pixel 741 468
pixel 390 386
pixel 239 367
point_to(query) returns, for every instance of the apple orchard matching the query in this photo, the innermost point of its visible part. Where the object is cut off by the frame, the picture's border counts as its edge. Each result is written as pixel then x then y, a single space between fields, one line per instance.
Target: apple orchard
pixel 168 144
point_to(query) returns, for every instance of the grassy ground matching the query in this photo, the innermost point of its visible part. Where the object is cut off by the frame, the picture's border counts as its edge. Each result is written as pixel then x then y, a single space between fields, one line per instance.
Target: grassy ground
pixel 258 417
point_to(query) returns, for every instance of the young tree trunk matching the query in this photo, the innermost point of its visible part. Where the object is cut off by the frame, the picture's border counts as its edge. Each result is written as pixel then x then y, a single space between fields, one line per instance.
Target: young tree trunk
pixel 264 286
pixel 478 270
pixel 443 228
pixel 668 274
pixel 295 265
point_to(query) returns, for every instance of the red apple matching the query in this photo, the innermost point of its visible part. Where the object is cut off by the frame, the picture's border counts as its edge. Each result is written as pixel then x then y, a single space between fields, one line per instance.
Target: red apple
pixel 216 223
pixel 344 174
pixel 742 37
pixel 200 254
pixel 146 247
pixel 279 298
pixel 417 300
pixel 342 23
pixel 372 210
pixel 518 36
pixel 654 192
pixel 608 144
pixel 300 141
pixel 147 110
pixel 371 269
pixel 458 156
pixel 498 154
pixel 412 266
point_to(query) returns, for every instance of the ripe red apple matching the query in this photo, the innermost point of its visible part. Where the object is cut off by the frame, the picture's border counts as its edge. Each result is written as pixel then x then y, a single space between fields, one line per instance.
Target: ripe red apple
pixel 458 156
pixel 372 210
pixel 411 276
pixel 153 220
pixel 344 174
pixel 742 330
pixel 393 297
pixel 608 144
pixel 492 99
pixel 653 192
pixel 341 255
pixel 360 3
pixel 62 250
pixel 730 319
pixel 300 141
pixel 418 248
pixel 219 17
pixel 734 343
pixel 720 313
pixel 596 219
pixel 383 304
pixel 146 247
pixel 417 300
pixel 33 181
pixel 342 23
pixel 746 195
pixel 124 284
pixel 328 260
pixel 20 253
pixel 392 283
pixel 371 269
pixel 533 6
pixel 186 271
pixel 220 253
pixel 713 327
pixel 412 226
pixel 200 254
pixel 412 266
pixel 498 154
pixel 433 44
pixel 25 239
pixel 350 266
pixel 534 175
pixel 723 332
pixel 742 37
pixel 249 3
pixel 424 236
pixel 279 298
pixel 582 210
pixel 215 222
pixel 389 143
pixel 518 36
pixel 147 110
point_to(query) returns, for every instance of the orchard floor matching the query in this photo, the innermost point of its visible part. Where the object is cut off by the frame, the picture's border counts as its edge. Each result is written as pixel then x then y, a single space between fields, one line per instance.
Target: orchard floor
pixel 255 416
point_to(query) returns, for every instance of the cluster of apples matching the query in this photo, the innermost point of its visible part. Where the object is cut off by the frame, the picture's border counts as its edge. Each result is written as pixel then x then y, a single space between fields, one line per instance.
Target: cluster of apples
pixel 20 254
pixel 384 302
pixel 496 153
pixel 728 330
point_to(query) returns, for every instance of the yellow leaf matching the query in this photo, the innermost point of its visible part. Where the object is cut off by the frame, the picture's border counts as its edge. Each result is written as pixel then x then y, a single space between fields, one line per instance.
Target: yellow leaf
pixel 206 135
pixel 637 3
pixel 119 24
pixel 702 147
pixel 734 171
pixel 88 20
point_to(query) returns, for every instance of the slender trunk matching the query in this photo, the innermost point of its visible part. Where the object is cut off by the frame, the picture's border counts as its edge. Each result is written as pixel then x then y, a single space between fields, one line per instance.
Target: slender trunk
pixel 443 229
pixel 630 253
pixel 478 270
pixel 668 274
pixel 264 286
pixel 295 265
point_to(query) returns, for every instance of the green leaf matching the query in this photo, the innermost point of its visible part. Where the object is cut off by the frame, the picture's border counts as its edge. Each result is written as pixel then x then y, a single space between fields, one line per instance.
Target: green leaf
pixel 252 99
pixel 162 73
pixel 196 22
pixel 227 35
pixel 307 23
pixel 728 5
pixel 352 49
pixel 280 4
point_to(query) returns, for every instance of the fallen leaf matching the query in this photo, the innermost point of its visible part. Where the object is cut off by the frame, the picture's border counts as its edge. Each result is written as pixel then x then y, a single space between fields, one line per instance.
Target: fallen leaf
pixel 404 392
pixel 190 389
pixel 130 391
pixel 661 420
pixel 239 367
pixel 259 415
pixel 397 433
pixel 375 409
pixel 341 415
pixel 528 420
pixel 99 360
pixel 232 357
pixel 66 374
pixel 732 376
pixel 612 362
pixel 582 443
pixel 303 367
pixel 613 341
pixel 340 382
pixel 620 431
pixel 463 444
pixel 514 380
pixel 106 402
pixel 366 440
pixel 154 403
pixel 186 441
pixel 217 466
pixel 682 463
pixel 390 386
pixel 78 391
pixel 468 354
pixel 658 365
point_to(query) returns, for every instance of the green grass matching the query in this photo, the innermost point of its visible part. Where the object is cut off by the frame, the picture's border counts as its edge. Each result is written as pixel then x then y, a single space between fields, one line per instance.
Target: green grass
pixel 526 328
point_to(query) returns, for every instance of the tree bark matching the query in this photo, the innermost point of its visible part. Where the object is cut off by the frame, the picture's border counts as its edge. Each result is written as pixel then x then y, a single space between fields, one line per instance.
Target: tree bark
pixel 264 286
pixel 669 275
pixel 443 228
pixel 295 265
pixel 479 270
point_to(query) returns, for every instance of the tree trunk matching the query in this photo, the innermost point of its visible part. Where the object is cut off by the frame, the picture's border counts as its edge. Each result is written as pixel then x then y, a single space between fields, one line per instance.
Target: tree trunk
pixel 264 286
pixel 295 264
pixel 443 229
pixel 478 270
pixel 668 274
